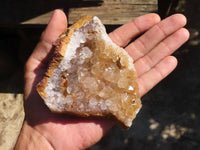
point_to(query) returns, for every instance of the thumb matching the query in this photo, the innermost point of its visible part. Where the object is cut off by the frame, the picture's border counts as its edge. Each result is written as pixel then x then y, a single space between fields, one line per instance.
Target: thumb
pixel 56 25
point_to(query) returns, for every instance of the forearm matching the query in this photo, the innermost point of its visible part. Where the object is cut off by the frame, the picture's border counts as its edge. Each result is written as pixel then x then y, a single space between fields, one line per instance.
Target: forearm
pixel 30 139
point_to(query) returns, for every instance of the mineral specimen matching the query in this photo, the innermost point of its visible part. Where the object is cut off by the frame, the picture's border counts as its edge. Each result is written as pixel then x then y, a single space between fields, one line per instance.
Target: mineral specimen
pixel 89 75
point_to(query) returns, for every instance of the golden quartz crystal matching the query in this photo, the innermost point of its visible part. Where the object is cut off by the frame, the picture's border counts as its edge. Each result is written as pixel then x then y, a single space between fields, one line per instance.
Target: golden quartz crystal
pixel 89 75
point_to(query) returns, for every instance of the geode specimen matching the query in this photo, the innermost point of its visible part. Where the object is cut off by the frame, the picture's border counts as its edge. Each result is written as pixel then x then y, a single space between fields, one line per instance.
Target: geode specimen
pixel 89 75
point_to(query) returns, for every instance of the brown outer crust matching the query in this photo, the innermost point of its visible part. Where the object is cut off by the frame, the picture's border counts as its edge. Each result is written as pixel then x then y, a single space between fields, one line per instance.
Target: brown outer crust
pixel 60 47
pixel 106 115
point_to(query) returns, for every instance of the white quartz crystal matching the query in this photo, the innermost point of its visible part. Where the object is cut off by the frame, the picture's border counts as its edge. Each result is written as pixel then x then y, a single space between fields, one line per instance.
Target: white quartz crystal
pixel 96 78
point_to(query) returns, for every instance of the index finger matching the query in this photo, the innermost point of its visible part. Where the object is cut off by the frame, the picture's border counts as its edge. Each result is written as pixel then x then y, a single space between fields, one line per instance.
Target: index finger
pixel 124 34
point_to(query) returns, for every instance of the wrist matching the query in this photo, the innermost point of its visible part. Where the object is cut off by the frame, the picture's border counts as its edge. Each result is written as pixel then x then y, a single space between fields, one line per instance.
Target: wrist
pixel 30 138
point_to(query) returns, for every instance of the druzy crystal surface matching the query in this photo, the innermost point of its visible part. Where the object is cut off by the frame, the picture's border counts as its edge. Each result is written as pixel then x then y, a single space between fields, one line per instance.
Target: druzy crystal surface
pixel 99 79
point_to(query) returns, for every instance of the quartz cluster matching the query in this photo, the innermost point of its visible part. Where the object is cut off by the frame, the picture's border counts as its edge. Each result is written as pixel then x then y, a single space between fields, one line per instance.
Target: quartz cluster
pixel 99 80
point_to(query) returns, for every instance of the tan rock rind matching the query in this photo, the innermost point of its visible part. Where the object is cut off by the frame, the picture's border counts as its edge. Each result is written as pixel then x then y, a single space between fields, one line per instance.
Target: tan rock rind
pixel 60 47
pixel 122 105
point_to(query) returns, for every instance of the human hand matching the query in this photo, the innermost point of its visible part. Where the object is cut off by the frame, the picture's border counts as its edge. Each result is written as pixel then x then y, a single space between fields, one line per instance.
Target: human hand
pixel 151 52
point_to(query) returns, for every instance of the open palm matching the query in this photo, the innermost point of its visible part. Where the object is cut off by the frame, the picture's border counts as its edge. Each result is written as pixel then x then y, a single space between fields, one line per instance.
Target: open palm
pixel 151 53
